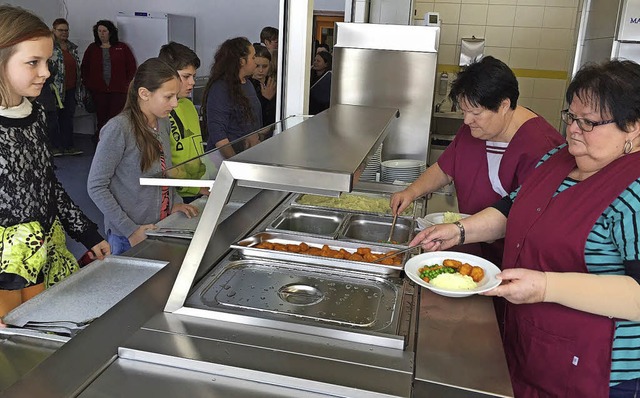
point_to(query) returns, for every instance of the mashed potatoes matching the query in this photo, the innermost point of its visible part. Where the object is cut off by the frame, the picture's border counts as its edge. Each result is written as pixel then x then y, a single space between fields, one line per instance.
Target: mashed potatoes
pixel 451 217
pixel 351 202
pixel 454 282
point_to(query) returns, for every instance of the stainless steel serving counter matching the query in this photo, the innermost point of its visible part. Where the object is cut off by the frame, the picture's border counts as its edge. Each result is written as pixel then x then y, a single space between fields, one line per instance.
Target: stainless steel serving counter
pixel 159 342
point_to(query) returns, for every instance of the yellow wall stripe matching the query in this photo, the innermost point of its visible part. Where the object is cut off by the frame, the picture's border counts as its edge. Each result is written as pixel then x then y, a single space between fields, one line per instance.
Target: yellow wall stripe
pixel 534 73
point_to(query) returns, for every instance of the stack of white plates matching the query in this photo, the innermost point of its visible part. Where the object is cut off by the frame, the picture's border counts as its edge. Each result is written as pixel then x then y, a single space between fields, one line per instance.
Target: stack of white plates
pixel 407 170
pixel 373 166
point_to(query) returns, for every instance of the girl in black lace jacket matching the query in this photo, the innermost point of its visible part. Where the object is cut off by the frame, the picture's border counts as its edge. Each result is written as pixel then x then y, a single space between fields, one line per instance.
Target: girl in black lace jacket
pixel 34 208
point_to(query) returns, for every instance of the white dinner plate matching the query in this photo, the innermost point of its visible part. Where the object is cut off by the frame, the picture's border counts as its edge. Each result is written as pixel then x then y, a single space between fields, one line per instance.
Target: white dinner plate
pixel 487 283
pixel 434 219
pixel 403 163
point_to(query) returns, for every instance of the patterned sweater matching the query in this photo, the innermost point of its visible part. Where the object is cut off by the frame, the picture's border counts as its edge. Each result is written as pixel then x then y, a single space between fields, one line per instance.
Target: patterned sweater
pixel 29 188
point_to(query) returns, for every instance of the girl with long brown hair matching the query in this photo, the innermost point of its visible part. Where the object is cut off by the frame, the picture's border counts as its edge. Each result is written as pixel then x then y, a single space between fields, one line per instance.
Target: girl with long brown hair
pixel 232 109
pixel 35 211
pixel 132 145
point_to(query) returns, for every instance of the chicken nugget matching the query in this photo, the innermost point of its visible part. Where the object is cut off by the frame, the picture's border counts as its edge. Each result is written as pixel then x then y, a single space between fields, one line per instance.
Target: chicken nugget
pixel 356 257
pixel 465 269
pixel 477 273
pixel 293 248
pixel 304 247
pixel 363 250
pixel 264 245
pixel 314 251
pixel 279 247
pixel 452 263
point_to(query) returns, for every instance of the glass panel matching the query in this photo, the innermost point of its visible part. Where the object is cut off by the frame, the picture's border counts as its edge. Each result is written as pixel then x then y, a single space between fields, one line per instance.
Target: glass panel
pixel 204 168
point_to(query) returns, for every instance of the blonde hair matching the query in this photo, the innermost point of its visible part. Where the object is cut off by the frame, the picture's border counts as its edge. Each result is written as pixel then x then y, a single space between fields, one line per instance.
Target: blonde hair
pixel 16 25
pixel 152 74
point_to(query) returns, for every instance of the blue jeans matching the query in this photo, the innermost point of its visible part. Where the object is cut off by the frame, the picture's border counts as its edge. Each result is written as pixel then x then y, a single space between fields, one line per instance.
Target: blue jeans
pixel 119 244
pixel 627 389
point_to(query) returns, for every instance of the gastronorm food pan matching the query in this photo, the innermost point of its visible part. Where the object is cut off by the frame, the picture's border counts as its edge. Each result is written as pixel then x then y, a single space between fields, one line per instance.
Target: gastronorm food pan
pixel 246 247
pixel 359 203
pixel 303 294
pixel 375 229
pixel 308 221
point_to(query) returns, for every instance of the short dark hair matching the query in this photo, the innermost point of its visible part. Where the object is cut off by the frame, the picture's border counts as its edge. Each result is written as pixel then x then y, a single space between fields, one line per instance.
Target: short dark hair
pixel 326 57
pixel 268 33
pixel 60 21
pixel 262 51
pixel 179 56
pixel 325 46
pixel 486 83
pixel 612 88
pixel 113 32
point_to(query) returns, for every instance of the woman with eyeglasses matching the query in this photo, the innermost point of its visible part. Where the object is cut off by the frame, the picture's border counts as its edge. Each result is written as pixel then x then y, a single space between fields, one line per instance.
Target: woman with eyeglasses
pixel 571 265
pixel 493 152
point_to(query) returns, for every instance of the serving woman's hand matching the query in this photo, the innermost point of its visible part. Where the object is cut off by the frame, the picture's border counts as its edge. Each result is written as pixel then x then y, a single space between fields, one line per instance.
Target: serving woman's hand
pixel 187 210
pixel 437 237
pixel 400 201
pixel 520 286
pixel 100 250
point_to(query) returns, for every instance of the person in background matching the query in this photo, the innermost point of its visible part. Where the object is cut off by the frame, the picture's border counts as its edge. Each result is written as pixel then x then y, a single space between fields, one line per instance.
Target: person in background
pixel 572 254
pixel 269 37
pixel 132 145
pixel 50 102
pixel 323 47
pixel 493 152
pixel 231 107
pixel 68 83
pixel 186 140
pixel 265 85
pixel 35 211
pixel 320 92
pixel 107 68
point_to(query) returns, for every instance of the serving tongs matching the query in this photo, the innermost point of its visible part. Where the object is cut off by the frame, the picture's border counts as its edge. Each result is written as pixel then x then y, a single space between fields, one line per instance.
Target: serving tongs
pixel 393 226
pixel 396 253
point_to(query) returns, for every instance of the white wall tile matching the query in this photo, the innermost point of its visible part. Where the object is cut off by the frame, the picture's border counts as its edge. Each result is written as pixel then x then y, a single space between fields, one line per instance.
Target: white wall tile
pixel 547 108
pixel 563 3
pixel 498 36
pixel 473 14
pixel 524 58
pixel 527 16
pixel 525 101
pixel 467 31
pixel 502 53
pixel 447 55
pixel 559 17
pixel 421 9
pixel 449 13
pixel 531 2
pixel 552 59
pixel 475 1
pixel 549 88
pixel 557 39
pixel 449 1
pixel 448 34
pixel 526 37
pixel 501 15
pixel 513 2
pixel 525 86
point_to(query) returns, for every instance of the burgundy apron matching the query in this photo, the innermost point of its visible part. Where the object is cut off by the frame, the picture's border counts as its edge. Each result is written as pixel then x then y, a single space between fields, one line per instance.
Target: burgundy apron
pixel 552 350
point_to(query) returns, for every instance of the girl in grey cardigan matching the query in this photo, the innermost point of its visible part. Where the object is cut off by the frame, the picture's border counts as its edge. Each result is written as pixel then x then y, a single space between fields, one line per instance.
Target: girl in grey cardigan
pixel 132 145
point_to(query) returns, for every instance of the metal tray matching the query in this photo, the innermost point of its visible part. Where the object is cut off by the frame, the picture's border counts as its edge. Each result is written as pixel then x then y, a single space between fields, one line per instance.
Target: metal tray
pixel 85 295
pixel 245 246
pixel 375 229
pixel 351 300
pixel 308 221
pixel 387 210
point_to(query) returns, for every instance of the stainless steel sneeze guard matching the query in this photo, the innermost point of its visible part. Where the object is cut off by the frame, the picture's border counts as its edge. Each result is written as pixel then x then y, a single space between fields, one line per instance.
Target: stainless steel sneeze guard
pixel 324 154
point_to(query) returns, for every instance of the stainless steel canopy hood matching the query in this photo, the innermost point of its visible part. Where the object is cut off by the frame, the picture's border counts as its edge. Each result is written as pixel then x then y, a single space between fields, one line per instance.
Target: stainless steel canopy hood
pixel 322 155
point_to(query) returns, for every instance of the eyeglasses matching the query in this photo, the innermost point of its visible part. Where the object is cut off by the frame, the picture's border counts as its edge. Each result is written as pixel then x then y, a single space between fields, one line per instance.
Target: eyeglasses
pixel 585 125
pixel 62 30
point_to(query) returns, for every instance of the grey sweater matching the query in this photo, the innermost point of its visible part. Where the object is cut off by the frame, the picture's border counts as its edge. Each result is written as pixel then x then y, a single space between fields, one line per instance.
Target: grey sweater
pixel 114 178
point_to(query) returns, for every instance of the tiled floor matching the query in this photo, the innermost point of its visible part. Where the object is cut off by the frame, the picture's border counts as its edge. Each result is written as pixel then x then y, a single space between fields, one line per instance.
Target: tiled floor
pixel 72 171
